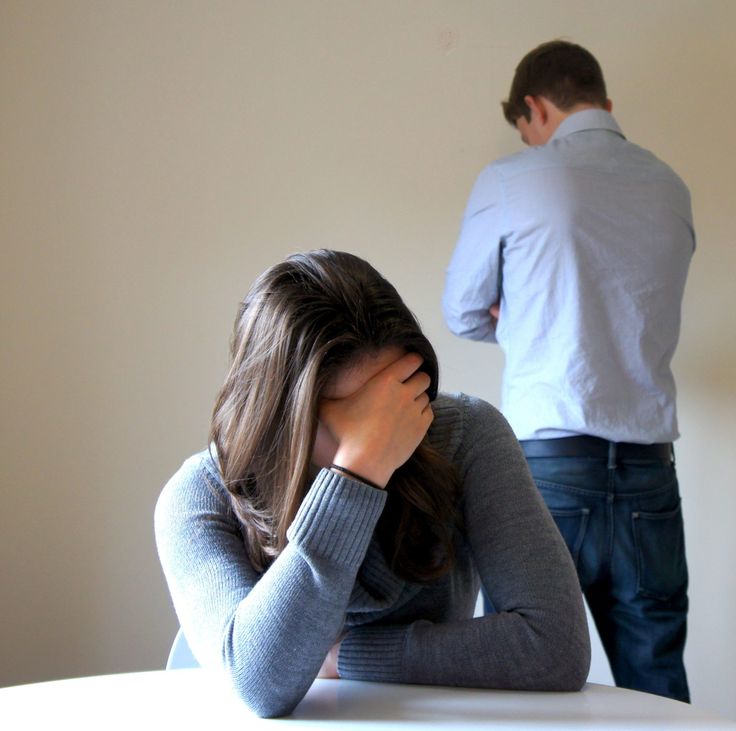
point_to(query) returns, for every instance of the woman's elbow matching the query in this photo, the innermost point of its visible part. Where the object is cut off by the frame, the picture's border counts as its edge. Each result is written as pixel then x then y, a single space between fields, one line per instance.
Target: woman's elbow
pixel 569 665
pixel 570 676
pixel 272 710
pixel 266 702
pixel 266 691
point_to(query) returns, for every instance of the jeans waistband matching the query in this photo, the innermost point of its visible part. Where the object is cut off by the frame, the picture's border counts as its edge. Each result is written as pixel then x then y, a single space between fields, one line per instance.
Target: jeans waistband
pixel 585 446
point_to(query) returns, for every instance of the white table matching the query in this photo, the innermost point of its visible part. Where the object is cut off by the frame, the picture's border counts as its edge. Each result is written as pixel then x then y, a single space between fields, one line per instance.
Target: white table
pixel 196 699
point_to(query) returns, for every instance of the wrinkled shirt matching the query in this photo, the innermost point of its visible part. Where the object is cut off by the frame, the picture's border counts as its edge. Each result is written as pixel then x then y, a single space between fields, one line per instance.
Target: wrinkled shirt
pixel 585 242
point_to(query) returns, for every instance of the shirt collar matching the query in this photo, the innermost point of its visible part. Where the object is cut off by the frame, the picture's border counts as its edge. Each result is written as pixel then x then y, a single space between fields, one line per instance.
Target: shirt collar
pixel 587 119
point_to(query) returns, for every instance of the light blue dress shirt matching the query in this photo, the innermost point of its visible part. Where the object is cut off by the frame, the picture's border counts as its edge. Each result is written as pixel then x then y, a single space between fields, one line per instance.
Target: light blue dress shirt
pixel 586 243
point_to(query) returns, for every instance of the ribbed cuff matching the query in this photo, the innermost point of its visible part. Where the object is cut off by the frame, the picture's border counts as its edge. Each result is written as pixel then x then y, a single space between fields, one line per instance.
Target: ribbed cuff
pixel 337 518
pixel 373 653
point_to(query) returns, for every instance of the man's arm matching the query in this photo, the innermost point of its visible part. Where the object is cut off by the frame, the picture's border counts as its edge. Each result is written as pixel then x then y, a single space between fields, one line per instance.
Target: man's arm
pixel 473 278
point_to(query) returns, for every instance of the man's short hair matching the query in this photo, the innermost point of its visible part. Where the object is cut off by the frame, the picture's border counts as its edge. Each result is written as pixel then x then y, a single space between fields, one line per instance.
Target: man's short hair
pixel 563 72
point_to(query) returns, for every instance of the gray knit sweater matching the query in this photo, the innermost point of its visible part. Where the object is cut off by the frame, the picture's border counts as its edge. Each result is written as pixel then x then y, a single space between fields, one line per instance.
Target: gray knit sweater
pixel 270 632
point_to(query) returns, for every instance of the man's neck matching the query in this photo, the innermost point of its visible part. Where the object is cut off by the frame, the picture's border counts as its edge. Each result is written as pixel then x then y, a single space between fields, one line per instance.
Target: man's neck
pixel 556 116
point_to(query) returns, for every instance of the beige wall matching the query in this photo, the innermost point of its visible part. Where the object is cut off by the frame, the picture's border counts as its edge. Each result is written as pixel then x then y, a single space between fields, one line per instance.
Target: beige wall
pixel 155 156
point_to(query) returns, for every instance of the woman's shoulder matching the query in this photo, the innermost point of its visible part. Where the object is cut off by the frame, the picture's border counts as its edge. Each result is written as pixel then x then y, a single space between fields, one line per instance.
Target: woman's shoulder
pixel 461 422
pixel 460 410
pixel 195 484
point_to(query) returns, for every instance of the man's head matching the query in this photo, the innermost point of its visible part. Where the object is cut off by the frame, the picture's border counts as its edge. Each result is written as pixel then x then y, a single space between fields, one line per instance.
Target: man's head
pixel 550 82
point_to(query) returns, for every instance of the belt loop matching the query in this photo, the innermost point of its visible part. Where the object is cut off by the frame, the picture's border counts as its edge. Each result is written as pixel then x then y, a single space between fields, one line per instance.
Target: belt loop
pixel 672 454
pixel 611 455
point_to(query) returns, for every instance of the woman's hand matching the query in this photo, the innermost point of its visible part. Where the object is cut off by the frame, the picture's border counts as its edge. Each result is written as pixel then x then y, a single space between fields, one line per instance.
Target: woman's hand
pixel 378 424
pixel 329 666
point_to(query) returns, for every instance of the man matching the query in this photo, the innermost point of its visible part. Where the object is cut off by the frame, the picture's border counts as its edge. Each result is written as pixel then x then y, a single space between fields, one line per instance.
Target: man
pixel 573 256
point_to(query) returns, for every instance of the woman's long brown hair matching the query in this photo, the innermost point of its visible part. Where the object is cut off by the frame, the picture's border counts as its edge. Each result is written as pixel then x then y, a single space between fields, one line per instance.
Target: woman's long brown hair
pixel 303 320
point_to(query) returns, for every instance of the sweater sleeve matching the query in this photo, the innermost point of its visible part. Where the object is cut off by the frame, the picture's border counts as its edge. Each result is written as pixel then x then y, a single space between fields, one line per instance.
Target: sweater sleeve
pixel 538 638
pixel 270 632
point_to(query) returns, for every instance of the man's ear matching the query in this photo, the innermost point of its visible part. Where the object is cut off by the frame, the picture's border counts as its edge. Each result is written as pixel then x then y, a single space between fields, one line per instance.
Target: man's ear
pixel 538 107
pixel 608 106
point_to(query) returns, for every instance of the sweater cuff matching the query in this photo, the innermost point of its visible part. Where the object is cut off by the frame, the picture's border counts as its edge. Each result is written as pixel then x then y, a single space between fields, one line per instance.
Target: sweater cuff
pixel 373 653
pixel 337 518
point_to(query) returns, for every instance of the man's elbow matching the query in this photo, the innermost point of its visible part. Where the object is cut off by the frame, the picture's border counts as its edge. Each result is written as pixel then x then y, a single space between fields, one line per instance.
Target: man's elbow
pixel 469 328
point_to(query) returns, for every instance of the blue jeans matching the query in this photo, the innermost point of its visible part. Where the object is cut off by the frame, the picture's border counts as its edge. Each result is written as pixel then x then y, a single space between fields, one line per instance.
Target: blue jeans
pixel 623 525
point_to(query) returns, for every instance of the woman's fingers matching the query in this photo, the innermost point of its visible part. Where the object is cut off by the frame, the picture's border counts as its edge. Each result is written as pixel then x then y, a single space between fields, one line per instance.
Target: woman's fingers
pixel 423 400
pixel 418 383
pixel 402 368
pixel 406 370
pixel 380 424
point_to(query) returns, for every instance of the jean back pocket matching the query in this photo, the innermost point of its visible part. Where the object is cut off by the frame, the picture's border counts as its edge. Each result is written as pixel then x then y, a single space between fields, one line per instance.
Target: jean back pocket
pixel 660 552
pixel 572 524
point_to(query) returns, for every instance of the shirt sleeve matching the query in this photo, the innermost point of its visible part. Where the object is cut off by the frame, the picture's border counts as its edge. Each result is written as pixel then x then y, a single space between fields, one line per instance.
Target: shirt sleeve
pixel 538 637
pixel 270 633
pixel 473 277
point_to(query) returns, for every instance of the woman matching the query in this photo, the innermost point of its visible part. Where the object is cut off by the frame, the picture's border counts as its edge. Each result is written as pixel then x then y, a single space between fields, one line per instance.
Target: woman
pixel 341 526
